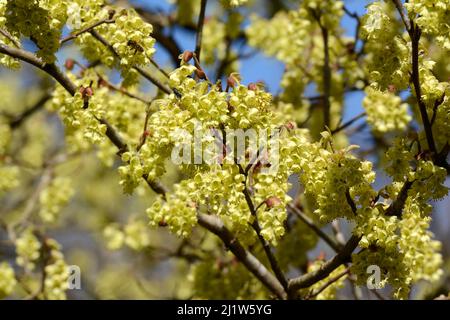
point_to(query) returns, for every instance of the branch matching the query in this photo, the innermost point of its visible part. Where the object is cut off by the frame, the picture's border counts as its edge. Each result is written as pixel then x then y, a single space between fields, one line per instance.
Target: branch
pixel 308 221
pixel 51 68
pixel 355 16
pixel 216 226
pixel 201 22
pixel 415 34
pixel 6 34
pixel 326 71
pixel 84 30
pixel 121 90
pixel 399 7
pixel 114 137
pixel 348 123
pixel 59 76
pixel 325 269
pixel 396 207
pixel 255 225
pixel 142 71
pixel 19 119
pixel 156 65
pixel 224 63
pixel 152 79
pixel 328 283
pixel 415 37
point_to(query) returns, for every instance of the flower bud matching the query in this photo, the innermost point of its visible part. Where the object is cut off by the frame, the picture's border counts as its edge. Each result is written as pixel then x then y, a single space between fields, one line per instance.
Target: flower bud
pixel 88 92
pixel 200 74
pixel 70 63
pixel 290 125
pixel 162 223
pixel 231 82
pixel 272 202
pixel 252 86
pixel 187 56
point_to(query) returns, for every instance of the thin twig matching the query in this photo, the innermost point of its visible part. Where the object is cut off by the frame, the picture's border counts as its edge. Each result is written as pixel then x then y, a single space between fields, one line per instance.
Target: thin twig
pixel 49 68
pixel 86 29
pixel 216 226
pixel 10 37
pixel 156 65
pixel 201 22
pixel 144 130
pixel 141 70
pixel 326 71
pixel 400 10
pixel 325 269
pixel 415 34
pixel 348 123
pixel 310 223
pixel 122 90
pixel 256 226
pixel 377 294
pixel 328 283
pixel 415 37
pixel 19 119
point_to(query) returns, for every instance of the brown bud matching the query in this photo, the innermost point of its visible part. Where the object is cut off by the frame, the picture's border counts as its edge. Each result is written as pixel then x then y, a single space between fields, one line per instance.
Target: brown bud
pixel 88 92
pixel 81 90
pixel 162 223
pixel 272 202
pixel 187 56
pixel 392 88
pixel 111 13
pixel 147 133
pixel 252 86
pixel 290 125
pixel 321 256
pixel 70 63
pixel 231 82
pixel 200 74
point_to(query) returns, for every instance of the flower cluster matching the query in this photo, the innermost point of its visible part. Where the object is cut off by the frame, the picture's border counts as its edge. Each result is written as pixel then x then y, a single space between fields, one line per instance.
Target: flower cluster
pixel 8 178
pixel 336 181
pixel 7 280
pixel 129 37
pixel 432 17
pixel 213 44
pixel 5 60
pixel 388 60
pixel 134 235
pixel 56 273
pixel 400 243
pixel 53 198
pixel 385 111
pixel 41 21
pixel 205 191
pixel 28 249
pixel 81 112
